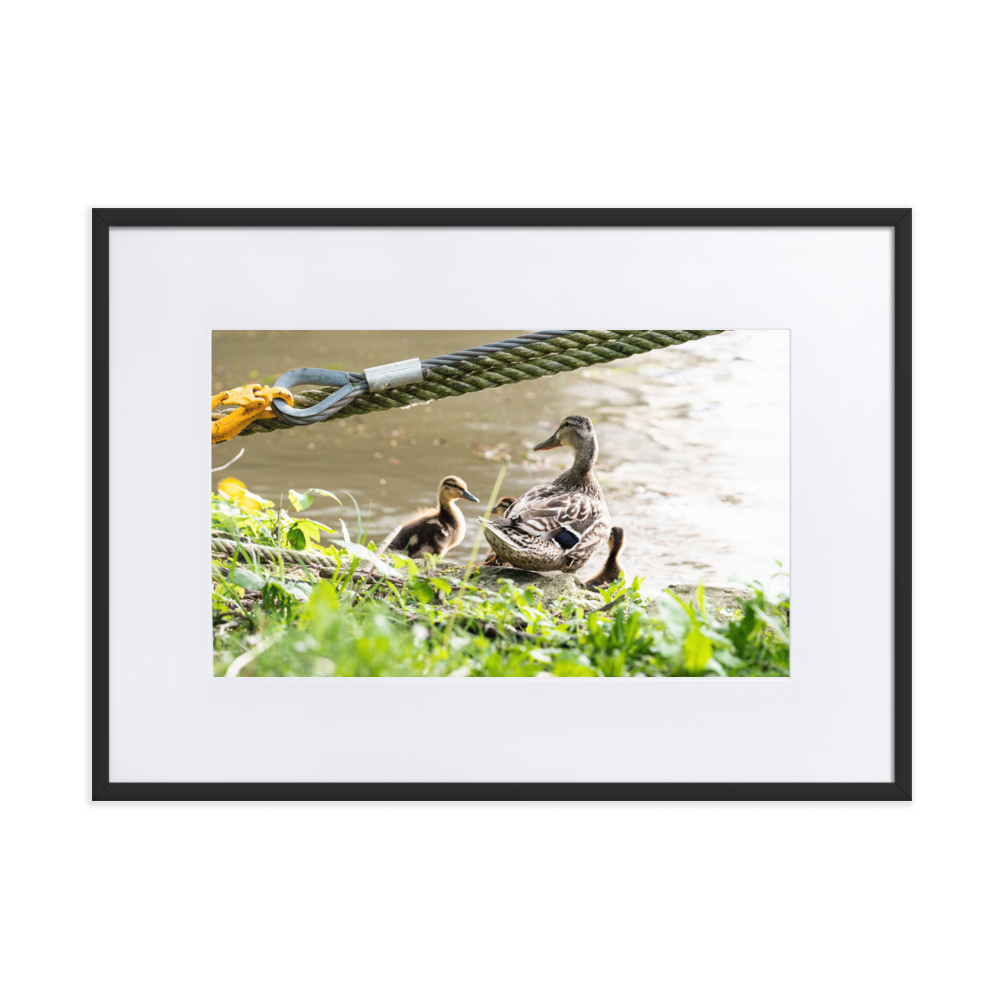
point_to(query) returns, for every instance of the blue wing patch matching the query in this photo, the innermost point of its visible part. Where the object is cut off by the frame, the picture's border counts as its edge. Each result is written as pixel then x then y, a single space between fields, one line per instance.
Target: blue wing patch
pixel 565 539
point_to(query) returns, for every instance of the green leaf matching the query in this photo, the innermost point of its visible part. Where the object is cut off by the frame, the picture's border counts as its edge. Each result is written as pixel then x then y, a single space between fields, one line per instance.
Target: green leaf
pixel 323 493
pixel 316 524
pixel 716 668
pixel 567 668
pixel 300 501
pixel 296 539
pixel 771 622
pixel 632 628
pixel 681 616
pixel 728 659
pixel 405 562
pixel 697 650
pixel 297 589
pixel 310 529
pixel 247 580
pixel 226 506
pixel 423 591
pixel 367 556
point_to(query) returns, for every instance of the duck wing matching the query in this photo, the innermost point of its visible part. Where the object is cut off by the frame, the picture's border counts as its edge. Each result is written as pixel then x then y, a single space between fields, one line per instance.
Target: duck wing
pixel 535 497
pixel 566 517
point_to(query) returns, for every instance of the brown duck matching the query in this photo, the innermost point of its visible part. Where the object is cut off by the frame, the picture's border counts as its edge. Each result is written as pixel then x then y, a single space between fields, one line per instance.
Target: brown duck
pixel 612 568
pixel 435 530
pixel 558 526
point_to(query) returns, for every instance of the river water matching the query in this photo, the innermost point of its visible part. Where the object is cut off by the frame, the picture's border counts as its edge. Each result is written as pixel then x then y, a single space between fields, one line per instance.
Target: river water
pixel 694 443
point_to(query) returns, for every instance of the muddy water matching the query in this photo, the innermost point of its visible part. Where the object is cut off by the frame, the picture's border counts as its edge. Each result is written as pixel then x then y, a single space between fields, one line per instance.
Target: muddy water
pixel 694 442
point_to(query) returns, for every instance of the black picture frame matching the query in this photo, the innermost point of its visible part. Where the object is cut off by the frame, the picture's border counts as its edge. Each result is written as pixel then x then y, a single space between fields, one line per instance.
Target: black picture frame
pixel 898 219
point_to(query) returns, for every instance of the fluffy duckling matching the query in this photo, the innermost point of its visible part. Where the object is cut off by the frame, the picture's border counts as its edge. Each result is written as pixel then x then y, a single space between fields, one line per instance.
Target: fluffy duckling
pixel 501 510
pixel 502 504
pixel 612 569
pixel 433 531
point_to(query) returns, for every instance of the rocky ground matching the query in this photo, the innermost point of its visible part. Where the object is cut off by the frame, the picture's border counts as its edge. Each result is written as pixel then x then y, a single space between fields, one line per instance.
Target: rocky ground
pixel 557 585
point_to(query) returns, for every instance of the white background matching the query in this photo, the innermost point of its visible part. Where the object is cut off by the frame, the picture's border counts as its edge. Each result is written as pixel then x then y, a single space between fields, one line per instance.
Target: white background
pixel 171 720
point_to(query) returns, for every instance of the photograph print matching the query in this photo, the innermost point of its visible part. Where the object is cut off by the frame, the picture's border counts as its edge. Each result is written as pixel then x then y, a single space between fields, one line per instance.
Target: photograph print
pixel 500 503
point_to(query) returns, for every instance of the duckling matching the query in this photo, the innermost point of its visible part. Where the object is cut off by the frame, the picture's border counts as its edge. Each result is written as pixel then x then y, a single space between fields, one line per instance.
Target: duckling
pixel 435 530
pixel 612 570
pixel 501 508
pixel 560 525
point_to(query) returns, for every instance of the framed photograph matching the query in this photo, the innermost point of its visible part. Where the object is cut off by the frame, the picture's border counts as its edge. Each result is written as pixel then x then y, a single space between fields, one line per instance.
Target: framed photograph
pixel 476 529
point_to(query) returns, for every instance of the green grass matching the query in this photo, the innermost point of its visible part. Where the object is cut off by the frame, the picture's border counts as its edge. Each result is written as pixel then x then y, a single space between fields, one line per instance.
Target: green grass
pixel 410 619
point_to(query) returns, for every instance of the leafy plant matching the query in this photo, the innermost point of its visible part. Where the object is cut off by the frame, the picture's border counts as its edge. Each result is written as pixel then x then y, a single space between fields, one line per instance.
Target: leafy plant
pixel 373 616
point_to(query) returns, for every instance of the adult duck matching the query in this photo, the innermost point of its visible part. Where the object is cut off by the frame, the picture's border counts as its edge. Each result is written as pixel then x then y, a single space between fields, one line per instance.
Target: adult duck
pixel 612 568
pixel 435 530
pixel 557 526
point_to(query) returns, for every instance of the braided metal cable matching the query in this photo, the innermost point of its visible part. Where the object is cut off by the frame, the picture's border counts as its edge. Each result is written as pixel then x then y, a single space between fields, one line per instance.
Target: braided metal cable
pixel 534 355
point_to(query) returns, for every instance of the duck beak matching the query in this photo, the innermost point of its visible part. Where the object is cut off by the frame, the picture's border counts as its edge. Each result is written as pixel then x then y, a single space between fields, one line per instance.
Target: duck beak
pixel 552 442
pixel 466 495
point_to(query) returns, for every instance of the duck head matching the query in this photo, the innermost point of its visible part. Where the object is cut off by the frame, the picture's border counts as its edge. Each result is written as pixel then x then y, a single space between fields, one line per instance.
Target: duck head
pixel 616 541
pixel 502 504
pixel 453 488
pixel 575 432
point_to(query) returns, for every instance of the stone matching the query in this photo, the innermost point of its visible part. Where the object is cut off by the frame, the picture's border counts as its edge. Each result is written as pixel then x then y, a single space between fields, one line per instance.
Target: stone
pixel 717 599
pixel 553 587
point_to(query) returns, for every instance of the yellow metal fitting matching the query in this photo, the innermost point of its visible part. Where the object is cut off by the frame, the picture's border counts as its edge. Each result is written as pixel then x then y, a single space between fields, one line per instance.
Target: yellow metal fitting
pixel 252 402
